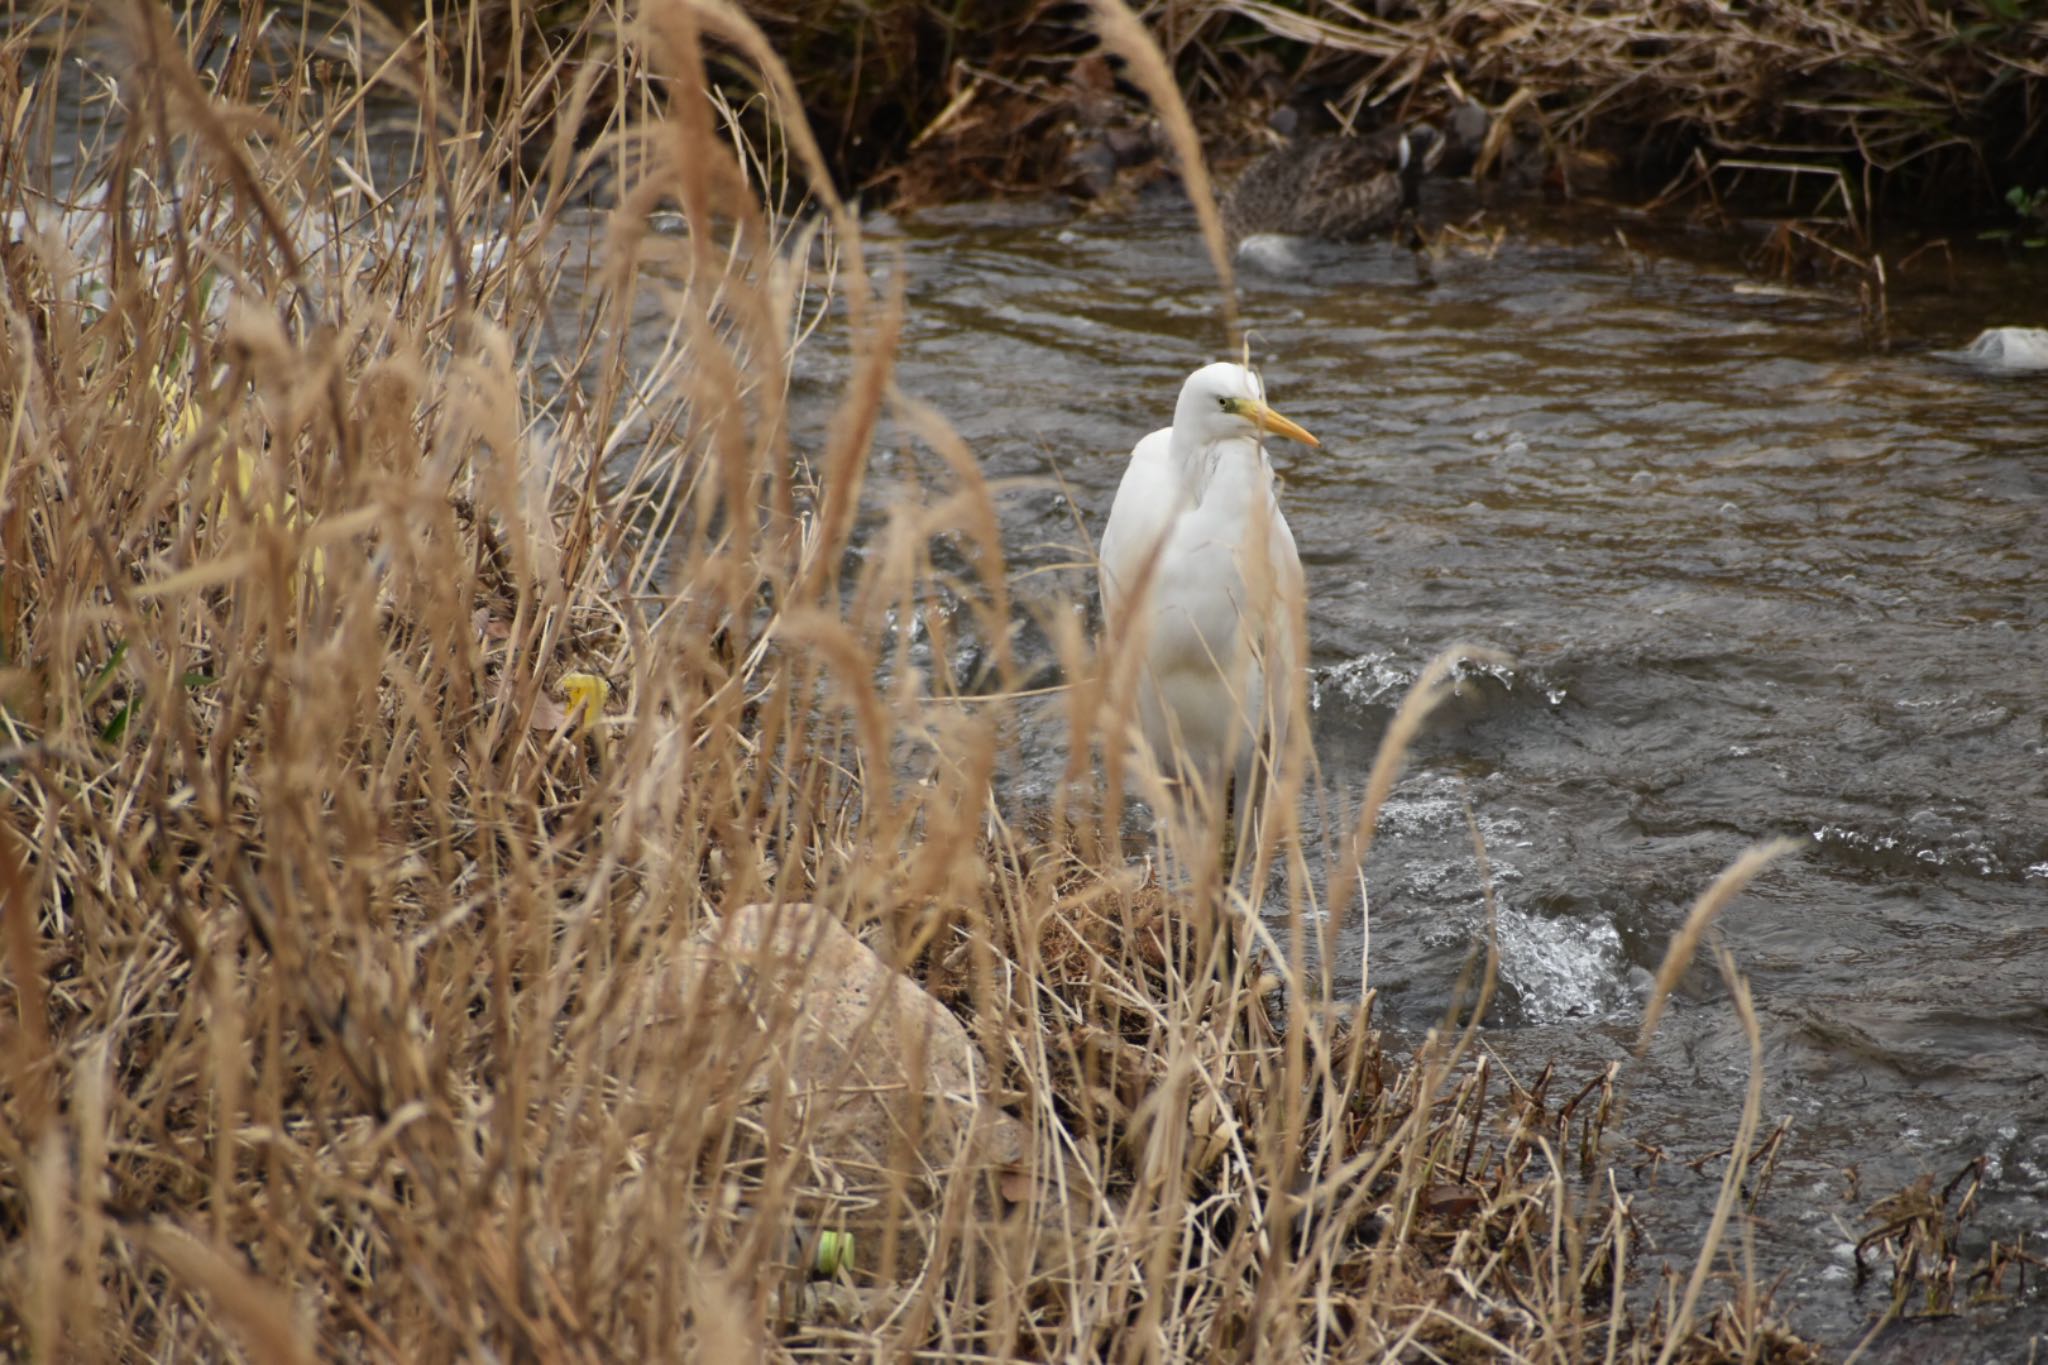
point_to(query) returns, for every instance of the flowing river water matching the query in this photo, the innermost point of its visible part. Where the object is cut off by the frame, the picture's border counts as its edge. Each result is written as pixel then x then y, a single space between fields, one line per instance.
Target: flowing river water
pixel 1759 579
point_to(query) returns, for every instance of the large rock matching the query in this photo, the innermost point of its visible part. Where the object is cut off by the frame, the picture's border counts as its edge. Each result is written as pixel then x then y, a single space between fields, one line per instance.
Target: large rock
pixel 883 1091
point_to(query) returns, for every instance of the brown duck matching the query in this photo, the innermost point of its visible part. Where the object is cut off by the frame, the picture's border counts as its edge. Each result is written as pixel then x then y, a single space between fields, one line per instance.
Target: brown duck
pixel 1341 189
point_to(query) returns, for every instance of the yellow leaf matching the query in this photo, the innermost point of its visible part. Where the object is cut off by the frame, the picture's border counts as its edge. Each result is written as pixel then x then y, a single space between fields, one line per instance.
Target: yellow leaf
pixel 183 424
pixel 587 694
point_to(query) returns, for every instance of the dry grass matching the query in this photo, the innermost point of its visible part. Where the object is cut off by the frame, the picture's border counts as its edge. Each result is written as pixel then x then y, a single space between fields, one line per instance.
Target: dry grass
pixel 1886 92
pixel 1853 111
pixel 334 937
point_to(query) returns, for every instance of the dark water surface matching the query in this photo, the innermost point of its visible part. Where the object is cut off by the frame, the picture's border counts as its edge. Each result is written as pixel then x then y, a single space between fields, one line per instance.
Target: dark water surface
pixel 1759 578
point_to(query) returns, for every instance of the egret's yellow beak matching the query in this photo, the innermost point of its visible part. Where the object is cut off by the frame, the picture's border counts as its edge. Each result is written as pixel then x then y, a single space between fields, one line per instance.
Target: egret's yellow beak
pixel 1268 420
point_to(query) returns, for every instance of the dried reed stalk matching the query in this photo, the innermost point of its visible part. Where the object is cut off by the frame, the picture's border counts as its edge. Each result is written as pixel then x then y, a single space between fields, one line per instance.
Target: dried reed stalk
pixel 1686 942
pixel 1123 34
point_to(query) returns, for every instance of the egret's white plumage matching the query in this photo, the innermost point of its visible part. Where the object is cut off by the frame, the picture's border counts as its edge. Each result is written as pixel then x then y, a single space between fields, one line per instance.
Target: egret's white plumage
pixel 1200 576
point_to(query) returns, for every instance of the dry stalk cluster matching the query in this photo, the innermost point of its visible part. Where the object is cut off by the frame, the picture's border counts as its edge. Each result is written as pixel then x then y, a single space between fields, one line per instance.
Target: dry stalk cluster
pixel 1870 89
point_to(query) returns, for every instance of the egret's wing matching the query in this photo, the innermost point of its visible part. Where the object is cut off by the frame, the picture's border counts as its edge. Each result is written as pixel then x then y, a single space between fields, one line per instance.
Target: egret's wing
pixel 1290 588
pixel 1139 521
pixel 1274 628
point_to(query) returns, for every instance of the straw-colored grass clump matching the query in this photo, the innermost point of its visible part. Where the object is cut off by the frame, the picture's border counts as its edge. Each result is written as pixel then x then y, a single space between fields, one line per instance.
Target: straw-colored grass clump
pixel 354 998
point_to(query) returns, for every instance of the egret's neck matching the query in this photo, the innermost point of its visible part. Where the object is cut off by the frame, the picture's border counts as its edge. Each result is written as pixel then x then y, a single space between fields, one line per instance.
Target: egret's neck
pixel 1200 463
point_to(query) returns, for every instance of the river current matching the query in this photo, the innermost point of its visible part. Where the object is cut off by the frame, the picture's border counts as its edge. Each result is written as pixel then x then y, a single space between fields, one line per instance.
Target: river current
pixel 1760 577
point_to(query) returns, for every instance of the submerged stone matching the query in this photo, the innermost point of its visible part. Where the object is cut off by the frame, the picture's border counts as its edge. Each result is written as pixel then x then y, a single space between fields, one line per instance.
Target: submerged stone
pixel 2009 349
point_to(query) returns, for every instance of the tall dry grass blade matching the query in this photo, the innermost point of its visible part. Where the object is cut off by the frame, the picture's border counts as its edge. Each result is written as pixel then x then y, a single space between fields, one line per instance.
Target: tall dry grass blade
pixel 1489 978
pixel 1685 943
pixel 1124 34
pixel 1428 691
pixel 261 1319
pixel 730 23
pixel 1618 1239
pixel 1887 1318
pixel 183 107
pixel 1738 1157
pixel 45 1182
pixel 27 1042
pixel 843 470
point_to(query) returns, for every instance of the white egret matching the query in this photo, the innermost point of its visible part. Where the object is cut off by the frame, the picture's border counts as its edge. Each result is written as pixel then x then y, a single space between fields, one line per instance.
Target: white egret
pixel 1201 581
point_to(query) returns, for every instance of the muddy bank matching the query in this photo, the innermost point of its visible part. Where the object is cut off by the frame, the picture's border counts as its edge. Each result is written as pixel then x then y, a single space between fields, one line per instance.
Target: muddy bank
pixel 1912 111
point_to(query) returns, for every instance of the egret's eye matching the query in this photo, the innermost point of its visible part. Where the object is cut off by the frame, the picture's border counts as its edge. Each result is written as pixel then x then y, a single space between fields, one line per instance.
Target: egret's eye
pixel 1223 403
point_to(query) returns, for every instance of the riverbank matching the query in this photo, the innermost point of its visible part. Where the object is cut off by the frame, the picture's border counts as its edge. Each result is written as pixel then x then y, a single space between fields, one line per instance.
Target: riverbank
pixel 1920 113
pixel 1928 112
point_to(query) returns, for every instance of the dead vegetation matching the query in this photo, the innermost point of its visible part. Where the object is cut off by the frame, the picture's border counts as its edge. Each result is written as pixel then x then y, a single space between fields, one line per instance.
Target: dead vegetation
pixel 1917 110
pixel 399 682
pixel 1875 89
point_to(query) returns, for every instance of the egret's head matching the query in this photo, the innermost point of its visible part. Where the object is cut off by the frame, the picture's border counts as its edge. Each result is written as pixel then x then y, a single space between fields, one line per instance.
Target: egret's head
pixel 1224 401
